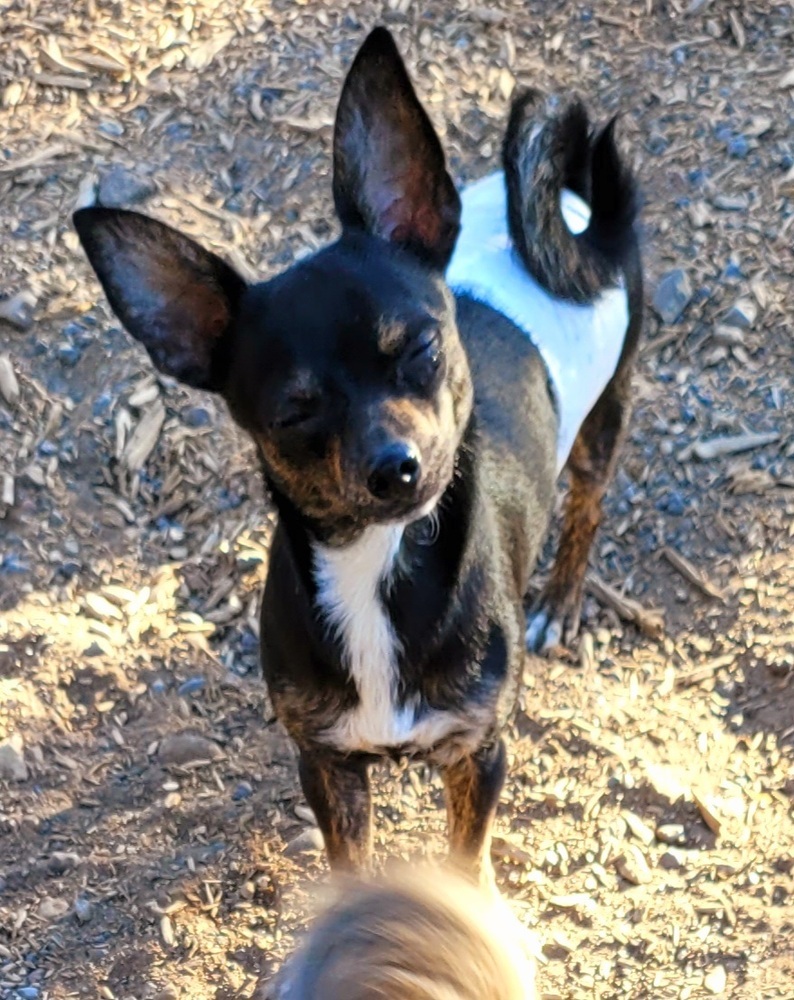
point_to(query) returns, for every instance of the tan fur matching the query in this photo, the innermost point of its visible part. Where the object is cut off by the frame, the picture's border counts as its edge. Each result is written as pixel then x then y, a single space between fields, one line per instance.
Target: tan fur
pixel 419 935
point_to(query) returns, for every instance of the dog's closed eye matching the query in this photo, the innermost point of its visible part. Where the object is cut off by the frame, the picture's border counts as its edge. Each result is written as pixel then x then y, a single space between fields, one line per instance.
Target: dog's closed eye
pixel 295 412
pixel 422 358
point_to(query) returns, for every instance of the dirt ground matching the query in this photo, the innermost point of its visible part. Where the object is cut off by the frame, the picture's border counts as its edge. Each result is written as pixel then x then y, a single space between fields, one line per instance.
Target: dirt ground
pixel 153 839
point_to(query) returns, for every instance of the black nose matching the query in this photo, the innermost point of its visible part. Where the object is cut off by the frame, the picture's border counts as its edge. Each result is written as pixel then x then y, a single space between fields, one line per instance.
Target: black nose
pixel 395 472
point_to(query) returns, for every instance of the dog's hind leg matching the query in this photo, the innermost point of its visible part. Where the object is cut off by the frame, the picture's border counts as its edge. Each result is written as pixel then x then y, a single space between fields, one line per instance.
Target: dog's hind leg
pixel 337 789
pixel 555 616
pixel 473 786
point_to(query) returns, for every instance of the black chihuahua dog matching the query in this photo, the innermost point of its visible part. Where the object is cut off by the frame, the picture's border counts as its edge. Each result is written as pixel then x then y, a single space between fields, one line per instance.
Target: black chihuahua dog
pixel 414 390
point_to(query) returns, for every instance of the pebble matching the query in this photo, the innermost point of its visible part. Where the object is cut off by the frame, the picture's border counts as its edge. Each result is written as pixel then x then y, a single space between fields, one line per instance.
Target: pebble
pixel 632 866
pixel 305 813
pixel 69 354
pixel 83 910
pixel 18 310
pixel 307 841
pixel 671 860
pixel 197 416
pixel 716 980
pixel 243 791
pixel 188 748
pixel 738 147
pixel 672 295
pixel 28 993
pixel 60 862
pixel 120 187
pixel 12 760
pixel 742 314
pixel 671 833
pixel 192 686
pixel 52 908
pixel 114 129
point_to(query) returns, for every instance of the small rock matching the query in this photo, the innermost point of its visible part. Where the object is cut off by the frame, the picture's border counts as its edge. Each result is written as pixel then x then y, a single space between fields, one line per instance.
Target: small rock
pixel 18 310
pixel 632 866
pixel 28 993
pixel 96 649
pixel 742 314
pixel 243 791
pixel 309 840
pixel 197 416
pixel 738 147
pixel 671 833
pixel 83 910
pixel 69 354
pixel 671 860
pixel 672 295
pixel 120 187
pixel 12 761
pixel 716 980
pixel 699 215
pixel 305 813
pixel 114 129
pixel 60 862
pixel 51 908
pixel 192 686
pixel 183 749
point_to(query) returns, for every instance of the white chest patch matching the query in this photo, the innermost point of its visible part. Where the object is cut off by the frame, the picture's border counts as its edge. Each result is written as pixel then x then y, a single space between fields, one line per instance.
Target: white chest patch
pixel 349 583
pixel 580 344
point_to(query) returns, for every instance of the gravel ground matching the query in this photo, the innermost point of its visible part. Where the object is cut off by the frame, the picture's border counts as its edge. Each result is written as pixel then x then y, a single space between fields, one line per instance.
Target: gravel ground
pixel 153 839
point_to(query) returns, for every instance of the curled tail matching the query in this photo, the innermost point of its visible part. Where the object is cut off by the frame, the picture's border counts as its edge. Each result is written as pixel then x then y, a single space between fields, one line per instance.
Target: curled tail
pixel 546 151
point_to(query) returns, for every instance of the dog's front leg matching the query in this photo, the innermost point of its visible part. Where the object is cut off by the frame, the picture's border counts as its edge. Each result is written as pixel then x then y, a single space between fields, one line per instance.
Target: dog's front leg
pixel 473 786
pixel 337 789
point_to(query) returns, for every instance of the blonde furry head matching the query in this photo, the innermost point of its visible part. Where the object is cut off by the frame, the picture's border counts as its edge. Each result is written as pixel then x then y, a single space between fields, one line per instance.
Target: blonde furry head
pixel 418 935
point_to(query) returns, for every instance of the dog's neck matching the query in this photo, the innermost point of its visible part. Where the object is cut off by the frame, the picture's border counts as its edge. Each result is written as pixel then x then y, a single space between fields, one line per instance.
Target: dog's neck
pixel 387 550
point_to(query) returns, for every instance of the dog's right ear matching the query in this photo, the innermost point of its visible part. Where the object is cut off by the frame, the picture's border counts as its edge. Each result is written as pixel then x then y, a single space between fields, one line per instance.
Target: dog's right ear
pixel 390 176
pixel 171 294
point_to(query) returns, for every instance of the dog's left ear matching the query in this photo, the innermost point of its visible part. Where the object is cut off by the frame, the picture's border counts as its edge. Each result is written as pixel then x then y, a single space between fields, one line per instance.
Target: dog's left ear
pixel 390 175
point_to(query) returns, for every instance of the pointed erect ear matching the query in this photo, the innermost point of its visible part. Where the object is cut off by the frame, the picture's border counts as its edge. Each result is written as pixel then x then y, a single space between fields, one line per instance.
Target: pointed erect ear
pixel 390 176
pixel 174 296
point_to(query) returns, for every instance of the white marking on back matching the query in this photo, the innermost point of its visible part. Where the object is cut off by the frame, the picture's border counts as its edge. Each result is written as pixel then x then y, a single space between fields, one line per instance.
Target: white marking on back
pixel 580 344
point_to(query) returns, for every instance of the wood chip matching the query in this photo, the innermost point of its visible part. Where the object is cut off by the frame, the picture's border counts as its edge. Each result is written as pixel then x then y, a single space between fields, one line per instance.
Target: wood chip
pixel 313 124
pixel 729 445
pixel 707 811
pixel 9 386
pixel 35 159
pixel 692 573
pixel 649 622
pixel 144 438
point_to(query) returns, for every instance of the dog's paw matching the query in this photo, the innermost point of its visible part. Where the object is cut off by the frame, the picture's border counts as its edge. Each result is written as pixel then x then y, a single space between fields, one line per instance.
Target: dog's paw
pixel 552 624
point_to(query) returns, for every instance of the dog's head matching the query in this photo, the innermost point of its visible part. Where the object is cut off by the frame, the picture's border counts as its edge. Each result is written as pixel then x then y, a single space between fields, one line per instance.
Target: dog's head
pixel 346 369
